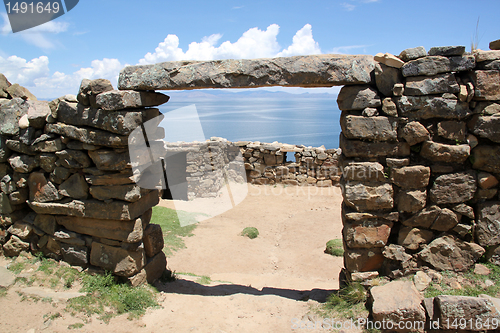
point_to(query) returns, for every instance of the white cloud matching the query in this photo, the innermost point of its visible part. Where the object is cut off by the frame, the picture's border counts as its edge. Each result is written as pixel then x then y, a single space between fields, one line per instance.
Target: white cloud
pixel 303 44
pixel 348 6
pixel 18 70
pixel 38 35
pixel 254 43
pixel 346 49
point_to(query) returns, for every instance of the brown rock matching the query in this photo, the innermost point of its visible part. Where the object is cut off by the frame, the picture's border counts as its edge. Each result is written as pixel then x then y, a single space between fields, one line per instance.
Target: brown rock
pixel 448 253
pixel 21 229
pixel 357 148
pixel 495 45
pixel 86 135
pixel 438 152
pixel 480 269
pixel 414 132
pixel 411 201
pixel 130 193
pixel 411 177
pixel 367 234
pixel 370 196
pixel 42 190
pixel 386 77
pixel 486 180
pixel 109 159
pixel 46 223
pixel 364 171
pixel 363 260
pixel 445 221
pixel 414 238
pixel 369 128
pixel 358 97
pixel 486 158
pixel 488 223
pixel 397 307
pixel 73 159
pixel 465 309
pixel 153 239
pixel 117 100
pixel 424 218
pixel 123 231
pixel 487 84
pixel 452 130
pixel 14 246
pixel 486 127
pixel 155 267
pixel 17 91
pixel 75 187
pixel 117 260
pixel 302 71
pixel 453 188
pixel 429 85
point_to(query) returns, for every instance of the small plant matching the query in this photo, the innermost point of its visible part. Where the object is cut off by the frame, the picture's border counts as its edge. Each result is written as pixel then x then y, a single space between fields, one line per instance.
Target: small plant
pixel 16 267
pixel 335 247
pixel 474 43
pixel 75 326
pixel 168 276
pixel 416 148
pixel 204 280
pixel 250 232
pixel 348 302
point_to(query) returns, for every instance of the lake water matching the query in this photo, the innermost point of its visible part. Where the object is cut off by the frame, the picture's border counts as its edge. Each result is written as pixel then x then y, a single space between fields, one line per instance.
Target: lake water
pixel 310 121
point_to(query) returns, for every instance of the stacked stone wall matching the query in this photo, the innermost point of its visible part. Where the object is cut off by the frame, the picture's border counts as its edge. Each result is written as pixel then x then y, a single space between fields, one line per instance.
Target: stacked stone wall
pixel 67 185
pixel 420 161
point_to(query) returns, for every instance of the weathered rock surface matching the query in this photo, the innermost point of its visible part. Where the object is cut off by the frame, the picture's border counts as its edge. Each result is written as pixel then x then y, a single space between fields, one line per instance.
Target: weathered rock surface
pixel 369 128
pixel 118 100
pixel 117 260
pixel 487 84
pixel 14 246
pixel 301 71
pixel 429 85
pixel 386 77
pixel 366 234
pixel 411 177
pixel 428 107
pixel 110 160
pixel 454 188
pixel 153 240
pixel 439 152
pixel 10 113
pixel 363 260
pixel 76 255
pixel 411 201
pixel 486 127
pixel 452 130
pixel 447 51
pixel 75 187
pixel 432 65
pixel 448 253
pixel 17 91
pixel 42 190
pixel 358 97
pixel 414 238
pixel 369 196
pixel 357 148
pixel 486 158
pixel 397 307
pixel 130 193
pixel 364 171
pixel 414 133
pixel 413 53
pixel 86 135
pixel 488 223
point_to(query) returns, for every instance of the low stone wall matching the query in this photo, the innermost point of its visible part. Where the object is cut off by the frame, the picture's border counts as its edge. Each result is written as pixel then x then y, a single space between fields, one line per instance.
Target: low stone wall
pixel 67 186
pixel 421 162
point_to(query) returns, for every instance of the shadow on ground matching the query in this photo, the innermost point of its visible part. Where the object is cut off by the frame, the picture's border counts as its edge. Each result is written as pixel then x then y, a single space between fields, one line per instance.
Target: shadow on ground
pixel 187 287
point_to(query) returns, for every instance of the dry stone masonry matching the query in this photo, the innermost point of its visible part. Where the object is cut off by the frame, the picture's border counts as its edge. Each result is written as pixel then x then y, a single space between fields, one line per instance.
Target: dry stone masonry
pixel 67 187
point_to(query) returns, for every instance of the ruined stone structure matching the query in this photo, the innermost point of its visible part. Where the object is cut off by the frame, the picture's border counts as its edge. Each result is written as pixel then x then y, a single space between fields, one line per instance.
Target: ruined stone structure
pixel 420 160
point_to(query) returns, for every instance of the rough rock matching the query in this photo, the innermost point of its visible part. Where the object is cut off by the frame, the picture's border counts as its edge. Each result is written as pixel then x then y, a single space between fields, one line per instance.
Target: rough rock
pixel 396 253
pixel 413 53
pixel 389 107
pixel 21 229
pixel 389 60
pixel 486 127
pixel 73 159
pixel 488 223
pixel 17 91
pixel 432 65
pixel 471 311
pixel 118 100
pixel 46 223
pixel 421 280
pixel 448 253
pixel 414 133
pixel 495 45
pixel 411 201
pixel 87 135
pixel 111 179
pixel 428 85
pixel 364 171
pixel 386 77
pixel 411 177
pixel 414 238
pixel 302 71
pixel 357 148
pixel 486 55
pixel 446 220
pixel 42 190
pixel 37 113
pixel 130 193
pixel 452 130
pixel 439 152
pixel 397 307
pixel 118 122
pixel 427 107
pixel 486 180
pixel 109 160
pixel 7 278
pixel 369 196
pixel 75 187
pixel 486 158
pixel 15 246
pixel 369 128
pixel 487 84
pixel 153 240
pixel 453 188
pixel 116 210
pixel 366 234
pixel 10 114
pixel 447 51
pixel 358 97
pixel 363 260
pixel 155 267
pixel 124 231
pixel 75 255
pixel 117 260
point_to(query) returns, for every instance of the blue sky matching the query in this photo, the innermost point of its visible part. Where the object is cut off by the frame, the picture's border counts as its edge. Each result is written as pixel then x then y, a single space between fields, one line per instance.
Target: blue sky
pixel 98 38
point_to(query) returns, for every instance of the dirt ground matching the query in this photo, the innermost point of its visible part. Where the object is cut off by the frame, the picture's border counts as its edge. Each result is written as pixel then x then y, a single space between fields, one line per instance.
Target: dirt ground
pixel 266 284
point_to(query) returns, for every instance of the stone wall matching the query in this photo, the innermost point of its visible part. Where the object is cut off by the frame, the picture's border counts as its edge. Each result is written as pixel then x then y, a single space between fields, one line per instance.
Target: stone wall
pixel 420 161
pixel 67 186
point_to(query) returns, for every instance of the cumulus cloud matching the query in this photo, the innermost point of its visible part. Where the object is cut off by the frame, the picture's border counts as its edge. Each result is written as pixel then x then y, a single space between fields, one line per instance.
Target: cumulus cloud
pixel 24 72
pixel 38 35
pixel 254 43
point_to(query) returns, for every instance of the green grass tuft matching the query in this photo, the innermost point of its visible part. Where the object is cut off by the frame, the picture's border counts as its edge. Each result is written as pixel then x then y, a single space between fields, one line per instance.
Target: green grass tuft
pixel 250 232
pixel 335 247
pixel 173 233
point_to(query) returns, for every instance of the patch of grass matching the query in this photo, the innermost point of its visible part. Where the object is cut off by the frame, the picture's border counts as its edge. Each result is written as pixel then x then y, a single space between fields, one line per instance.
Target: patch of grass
pixel 472 284
pixel 107 298
pixel 348 302
pixel 335 247
pixel 3 292
pixel 168 276
pixel 47 266
pixel 204 280
pixel 75 326
pixel 17 267
pixel 173 233
pixel 250 232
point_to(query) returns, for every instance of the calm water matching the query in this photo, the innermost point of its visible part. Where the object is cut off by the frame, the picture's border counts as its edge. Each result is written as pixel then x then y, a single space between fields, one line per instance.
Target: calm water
pixel 311 121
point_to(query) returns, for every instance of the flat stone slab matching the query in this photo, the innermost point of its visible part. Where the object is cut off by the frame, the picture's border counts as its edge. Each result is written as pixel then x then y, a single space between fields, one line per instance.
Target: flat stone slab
pixel 323 70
